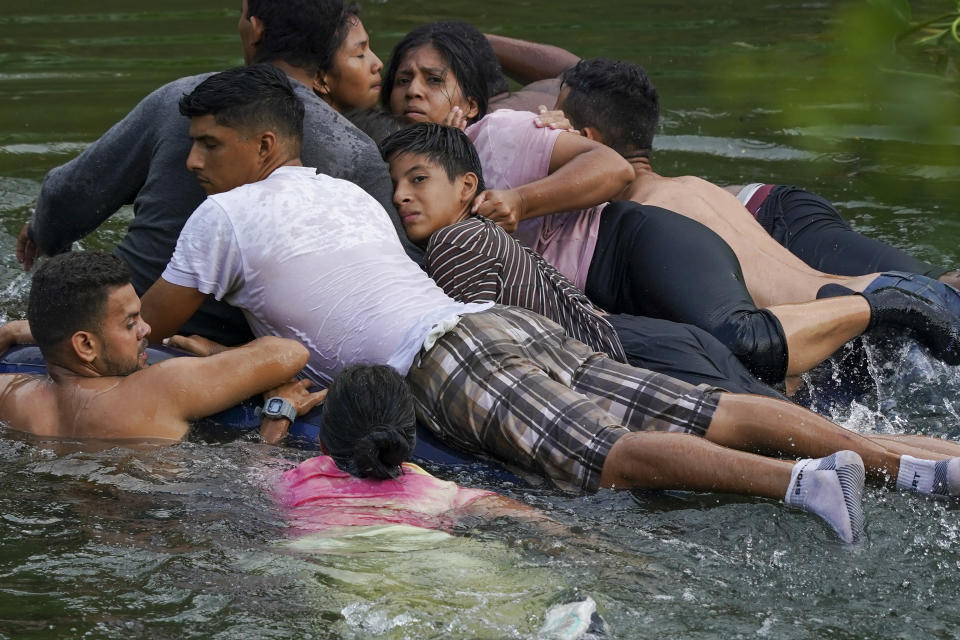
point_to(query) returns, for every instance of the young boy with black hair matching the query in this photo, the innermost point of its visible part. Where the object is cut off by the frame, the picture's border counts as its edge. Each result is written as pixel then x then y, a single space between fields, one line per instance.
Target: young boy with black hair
pixel 437 173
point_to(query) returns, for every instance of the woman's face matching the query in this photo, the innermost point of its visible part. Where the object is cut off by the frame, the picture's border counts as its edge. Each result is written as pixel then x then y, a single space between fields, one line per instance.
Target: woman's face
pixel 353 82
pixel 425 89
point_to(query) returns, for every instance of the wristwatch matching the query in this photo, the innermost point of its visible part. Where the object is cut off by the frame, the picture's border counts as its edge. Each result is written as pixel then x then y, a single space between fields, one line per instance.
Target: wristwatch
pixel 277 407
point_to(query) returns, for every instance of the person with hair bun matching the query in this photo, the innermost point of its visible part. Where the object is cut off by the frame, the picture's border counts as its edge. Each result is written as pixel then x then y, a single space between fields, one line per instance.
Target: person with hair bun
pixel 364 477
pixel 364 497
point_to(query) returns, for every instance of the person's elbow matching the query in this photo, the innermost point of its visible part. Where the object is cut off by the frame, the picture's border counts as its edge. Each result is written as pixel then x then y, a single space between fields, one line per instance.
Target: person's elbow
pixel 292 355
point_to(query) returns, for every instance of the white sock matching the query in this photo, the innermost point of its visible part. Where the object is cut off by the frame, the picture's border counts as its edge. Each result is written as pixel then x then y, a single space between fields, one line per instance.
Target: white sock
pixel 831 488
pixel 929 477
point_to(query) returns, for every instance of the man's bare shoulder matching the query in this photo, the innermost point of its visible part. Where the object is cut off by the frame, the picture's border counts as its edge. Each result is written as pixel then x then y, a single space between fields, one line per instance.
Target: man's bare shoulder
pixel 691 183
pixel 661 190
pixel 28 402
pixel 138 406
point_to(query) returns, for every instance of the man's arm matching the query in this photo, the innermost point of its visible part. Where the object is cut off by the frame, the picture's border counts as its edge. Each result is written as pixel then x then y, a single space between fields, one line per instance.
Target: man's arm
pixel 15 332
pixel 165 307
pixel 78 196
pixel 582 173
pixel 528 62
pixel 194 388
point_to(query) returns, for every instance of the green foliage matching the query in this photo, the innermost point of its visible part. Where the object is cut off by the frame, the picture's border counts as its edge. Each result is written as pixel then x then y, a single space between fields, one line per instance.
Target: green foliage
pixel 879 90
pixel 935 41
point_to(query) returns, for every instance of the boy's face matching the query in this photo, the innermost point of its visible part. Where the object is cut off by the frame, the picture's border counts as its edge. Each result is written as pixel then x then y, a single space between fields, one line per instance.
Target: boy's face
pixel 425 197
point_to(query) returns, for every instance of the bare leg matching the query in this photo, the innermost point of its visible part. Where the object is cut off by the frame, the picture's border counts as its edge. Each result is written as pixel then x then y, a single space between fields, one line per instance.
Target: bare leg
pixel 658 460
pixel 951 278
pixel 773 427
pixel 831 488
pixel 815 330
pixel 919 446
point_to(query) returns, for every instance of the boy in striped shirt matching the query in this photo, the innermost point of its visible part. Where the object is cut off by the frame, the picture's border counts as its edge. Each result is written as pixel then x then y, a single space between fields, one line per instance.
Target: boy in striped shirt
pixel 473 260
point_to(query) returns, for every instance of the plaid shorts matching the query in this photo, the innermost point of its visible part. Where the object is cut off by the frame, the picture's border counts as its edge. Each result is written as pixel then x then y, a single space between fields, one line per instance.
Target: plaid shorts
pixel 510 384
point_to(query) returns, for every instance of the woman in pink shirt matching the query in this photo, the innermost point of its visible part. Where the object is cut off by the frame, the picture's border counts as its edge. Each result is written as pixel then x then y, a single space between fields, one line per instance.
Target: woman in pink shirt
pixel 551 188
pixel 535 172
pixel 369 433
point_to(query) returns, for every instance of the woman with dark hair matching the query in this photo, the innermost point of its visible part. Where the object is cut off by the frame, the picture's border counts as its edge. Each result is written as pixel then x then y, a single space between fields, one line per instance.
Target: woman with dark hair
pixel 534 173
pixel 362 497
pixel 369 433
pixel 438 69
pixel 348 71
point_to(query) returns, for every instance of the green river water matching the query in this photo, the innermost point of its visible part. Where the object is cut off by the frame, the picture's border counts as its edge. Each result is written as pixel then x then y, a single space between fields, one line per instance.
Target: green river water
pixel 185 541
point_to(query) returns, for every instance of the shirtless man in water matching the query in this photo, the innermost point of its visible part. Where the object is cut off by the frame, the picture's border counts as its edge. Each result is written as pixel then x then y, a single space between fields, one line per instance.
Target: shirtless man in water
pixel 85 316
pixel 615 103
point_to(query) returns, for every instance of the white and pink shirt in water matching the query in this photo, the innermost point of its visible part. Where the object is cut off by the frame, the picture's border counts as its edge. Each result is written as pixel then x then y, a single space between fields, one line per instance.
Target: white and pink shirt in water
pixel 319 496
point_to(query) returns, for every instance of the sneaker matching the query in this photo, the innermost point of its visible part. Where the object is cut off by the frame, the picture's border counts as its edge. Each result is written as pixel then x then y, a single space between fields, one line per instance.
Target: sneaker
pixel 831 488
pixel 938 293
pixel 931 312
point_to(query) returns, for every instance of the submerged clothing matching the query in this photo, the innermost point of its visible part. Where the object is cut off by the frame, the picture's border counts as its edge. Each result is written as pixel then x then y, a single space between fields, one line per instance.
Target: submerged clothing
pixel 811 228
pixel 320 496
pixel 476 260
pixel 510 383
pixel 654 262
pixel 296 252
pixel 141 161
pixel 514 152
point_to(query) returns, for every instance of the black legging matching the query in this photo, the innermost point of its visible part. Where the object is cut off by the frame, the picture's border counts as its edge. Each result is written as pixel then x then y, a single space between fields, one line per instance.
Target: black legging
pixel 657 263
pixel 811 229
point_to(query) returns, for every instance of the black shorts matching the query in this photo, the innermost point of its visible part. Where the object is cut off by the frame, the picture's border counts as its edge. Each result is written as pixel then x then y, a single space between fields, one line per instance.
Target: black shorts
pixel 654 262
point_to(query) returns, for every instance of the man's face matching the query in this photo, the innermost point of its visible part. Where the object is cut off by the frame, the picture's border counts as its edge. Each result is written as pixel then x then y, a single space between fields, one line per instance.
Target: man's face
pixel 222 158
pixel 123 334
pixel 425 197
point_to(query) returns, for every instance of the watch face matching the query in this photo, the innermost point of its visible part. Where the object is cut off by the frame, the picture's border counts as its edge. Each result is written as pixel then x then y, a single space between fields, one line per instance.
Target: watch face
pixel 274 405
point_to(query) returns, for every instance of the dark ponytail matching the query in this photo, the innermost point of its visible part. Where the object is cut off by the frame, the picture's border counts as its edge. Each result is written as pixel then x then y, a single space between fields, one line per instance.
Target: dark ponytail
pixel 369 425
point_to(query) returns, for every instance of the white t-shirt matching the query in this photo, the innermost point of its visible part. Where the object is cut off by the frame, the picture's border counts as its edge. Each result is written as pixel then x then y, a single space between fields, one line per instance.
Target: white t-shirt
pixel 316 259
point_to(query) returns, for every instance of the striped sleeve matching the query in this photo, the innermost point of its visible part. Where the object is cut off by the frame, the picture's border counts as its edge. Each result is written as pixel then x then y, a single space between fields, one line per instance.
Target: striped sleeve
pixel 457 263
pixel 474 260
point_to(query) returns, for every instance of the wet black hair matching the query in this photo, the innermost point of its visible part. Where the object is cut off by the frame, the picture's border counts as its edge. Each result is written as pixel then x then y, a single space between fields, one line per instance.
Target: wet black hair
pixel 375 122
pixel 447 147
pixel 255 98
pixel 295 31
pixel 485 59
pixel 369 425
pixel 342 23
pixel 615 97
pixel 69 293
pixel 468 54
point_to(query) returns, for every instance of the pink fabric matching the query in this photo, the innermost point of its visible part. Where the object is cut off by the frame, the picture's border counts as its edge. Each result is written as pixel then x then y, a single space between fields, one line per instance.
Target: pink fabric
pixel 514 152
pixel 320 496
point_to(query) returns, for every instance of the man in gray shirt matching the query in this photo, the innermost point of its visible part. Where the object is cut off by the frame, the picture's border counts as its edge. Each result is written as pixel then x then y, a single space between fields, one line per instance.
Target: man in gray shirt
pixel 142 161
